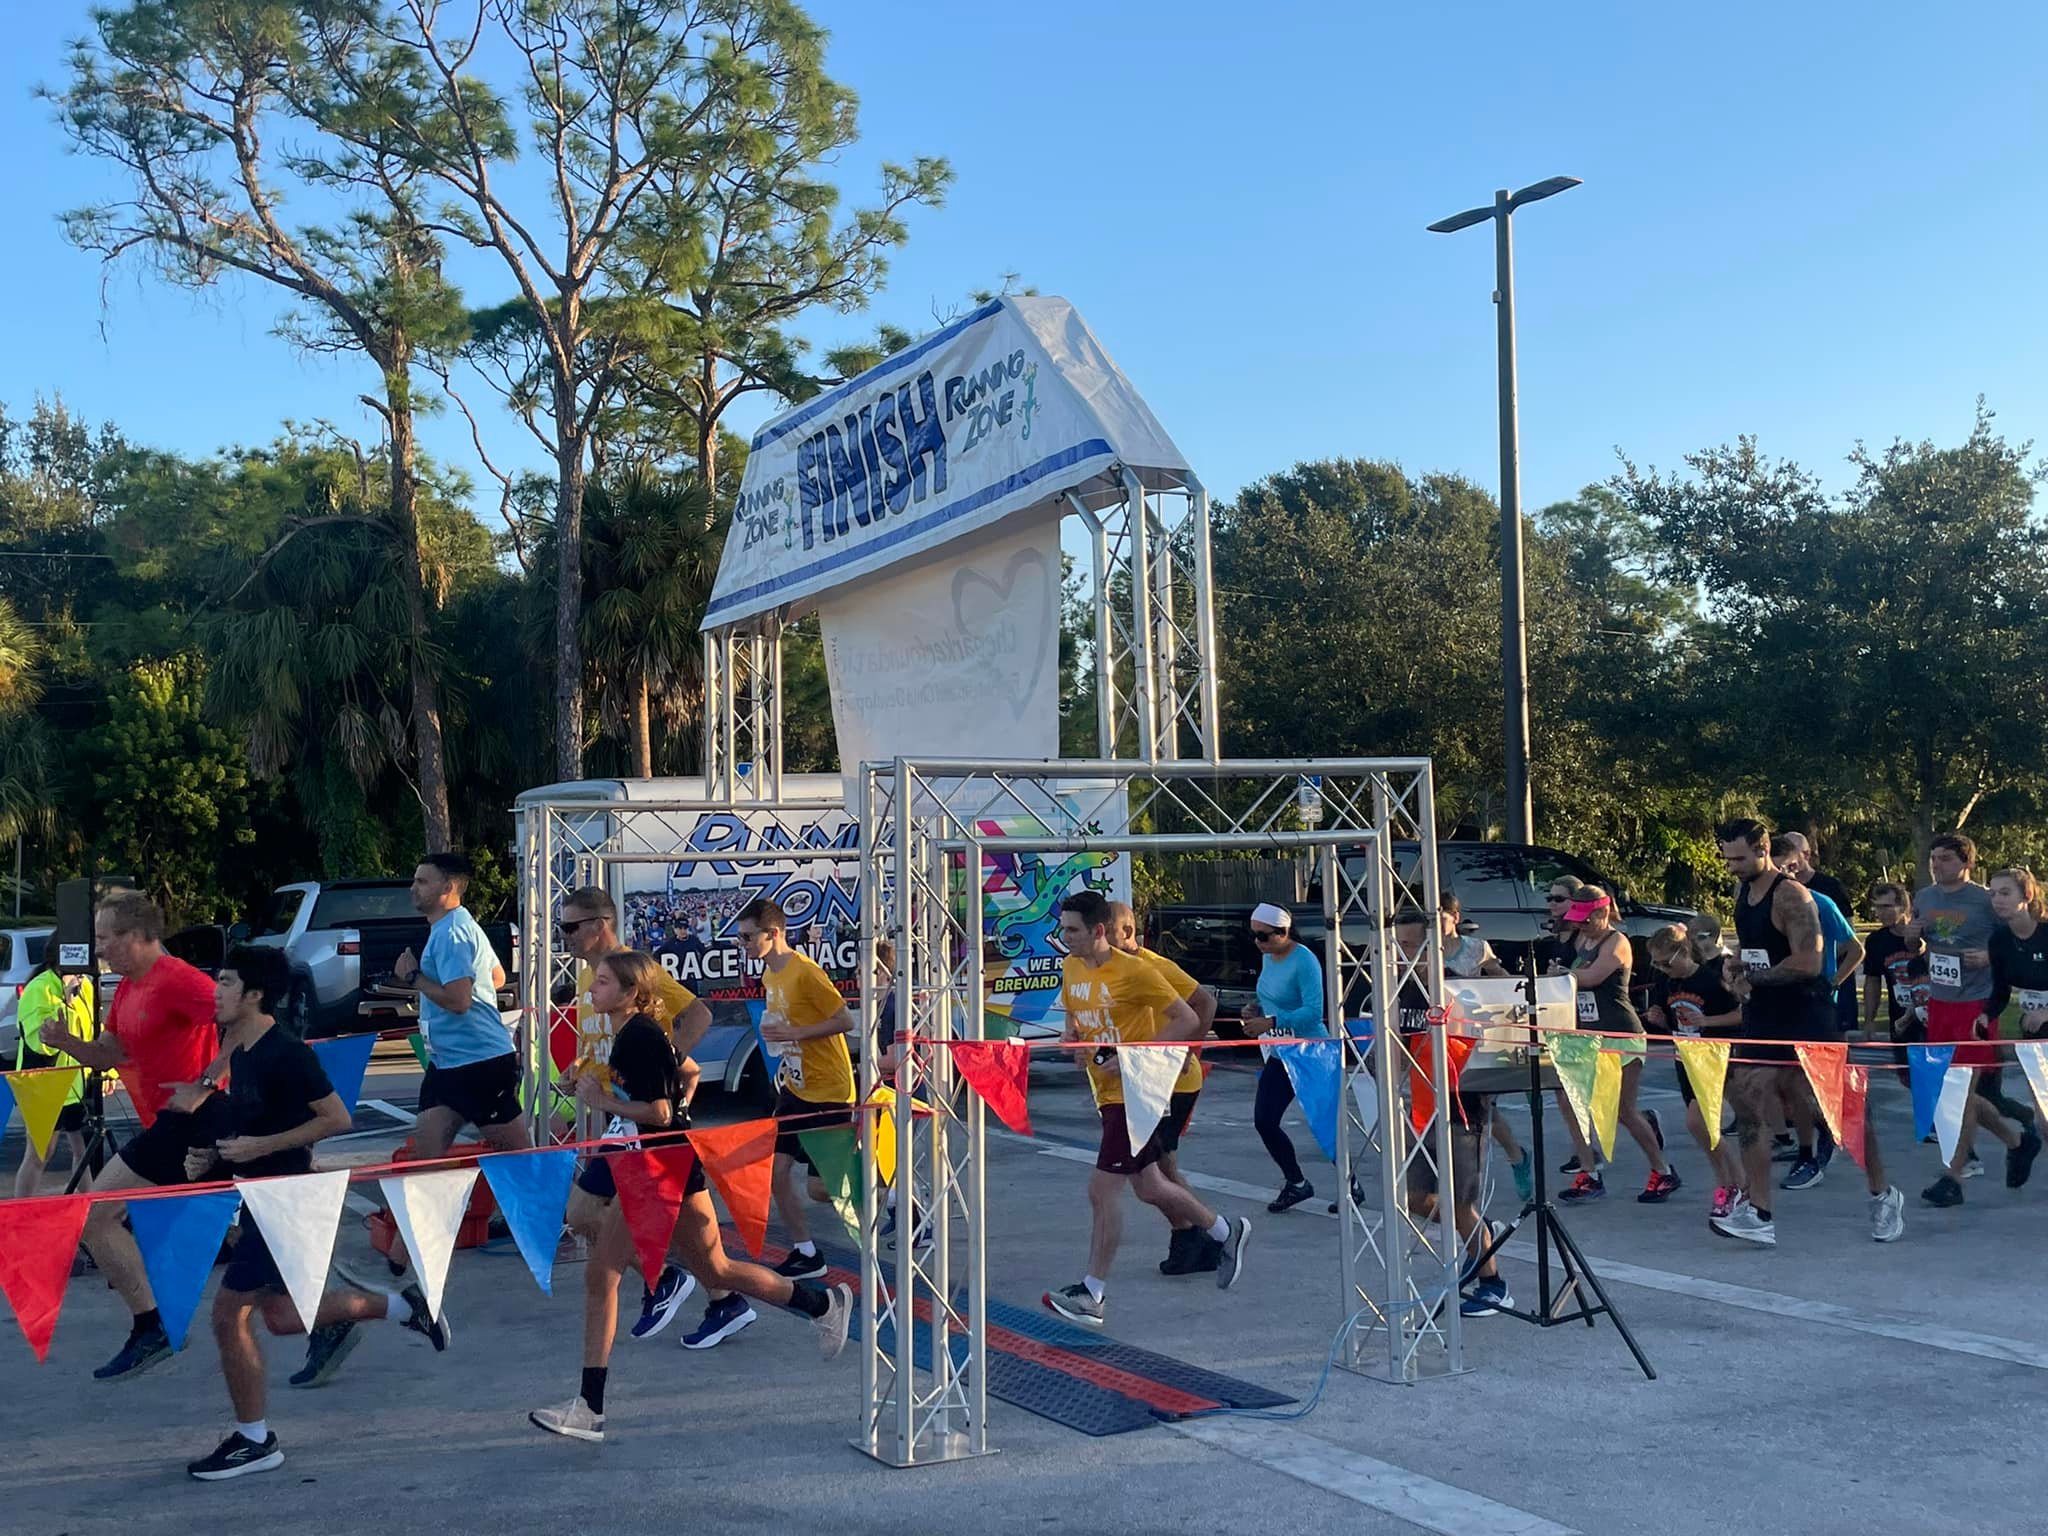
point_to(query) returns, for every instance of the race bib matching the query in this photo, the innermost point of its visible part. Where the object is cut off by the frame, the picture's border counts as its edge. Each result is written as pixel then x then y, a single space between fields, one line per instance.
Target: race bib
pixel 1945 970
pixel 1902 994
pixel 1756 961
pixel 2033 1002
pixel 793 1069
pixel 1589 1008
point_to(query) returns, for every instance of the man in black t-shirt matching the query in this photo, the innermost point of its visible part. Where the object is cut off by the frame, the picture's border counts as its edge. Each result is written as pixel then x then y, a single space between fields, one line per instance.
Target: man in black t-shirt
pixel 279 1103
pixel 1895 966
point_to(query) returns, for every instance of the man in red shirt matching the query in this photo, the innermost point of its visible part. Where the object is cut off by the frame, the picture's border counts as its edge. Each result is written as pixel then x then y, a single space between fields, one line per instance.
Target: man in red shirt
pixel 160 1037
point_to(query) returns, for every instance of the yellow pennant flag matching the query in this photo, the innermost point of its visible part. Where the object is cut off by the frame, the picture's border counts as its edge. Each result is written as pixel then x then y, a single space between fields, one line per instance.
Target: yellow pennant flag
pixel 1706 1068
pixel 882 1126
pixel 42 1095
pixel 1606 1099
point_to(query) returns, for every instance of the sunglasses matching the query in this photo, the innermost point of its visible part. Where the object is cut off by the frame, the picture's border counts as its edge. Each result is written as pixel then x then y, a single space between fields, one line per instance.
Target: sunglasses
pixel 581 922
pixel 1267 935
pixel 1557 901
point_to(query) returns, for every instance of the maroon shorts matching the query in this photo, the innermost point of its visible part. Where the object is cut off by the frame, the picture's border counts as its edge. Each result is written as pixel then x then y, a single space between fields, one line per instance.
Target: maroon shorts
pixel 1115 1154
pixel 1949 1022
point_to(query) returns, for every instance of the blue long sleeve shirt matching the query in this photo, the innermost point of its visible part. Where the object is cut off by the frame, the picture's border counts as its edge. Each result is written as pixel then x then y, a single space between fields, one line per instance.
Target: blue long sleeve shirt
pixel 1291 991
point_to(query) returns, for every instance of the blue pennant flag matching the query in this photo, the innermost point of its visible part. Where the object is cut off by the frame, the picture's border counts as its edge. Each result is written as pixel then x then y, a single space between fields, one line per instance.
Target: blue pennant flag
pixel 6 1105
pixel 1926 1066
pixel 179 1236
pixel 345 1059
pixel 1313 1068
pixel 532 1189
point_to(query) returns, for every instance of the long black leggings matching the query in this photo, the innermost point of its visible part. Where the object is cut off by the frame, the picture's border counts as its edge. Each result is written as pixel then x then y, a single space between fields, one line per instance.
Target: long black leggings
pixel 1276 1092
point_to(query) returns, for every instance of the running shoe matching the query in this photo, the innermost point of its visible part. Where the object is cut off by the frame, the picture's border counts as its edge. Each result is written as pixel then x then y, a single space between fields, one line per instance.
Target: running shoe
pixel 658 1307
pixel 1888 1216
pixel 1784 1149
pixel 573 1419
pixel 1290 1196
pixel 1525 1177
pixel 1974 1168
pixel 1824 1144
pixel 1357 1197
pixel 1571 1164
pixel 1486 1298
pixel 1587 1186
pixel 1660 1188
pixel 722 1319
pixel 802 1266
pixel 833 1325
pixel 2019 1160
pixel 1230 1264
pixel 1745 1225
pixel 1193 1252
pixel 1477 1247
pixel 1725 1196
pixel 1943 1191
pixel 142 1352
pixel 435 1330
pixel 237 1457
pixel 1805 1173
pixel 1077 1304
pixel 326 1347
pixel 1656 1127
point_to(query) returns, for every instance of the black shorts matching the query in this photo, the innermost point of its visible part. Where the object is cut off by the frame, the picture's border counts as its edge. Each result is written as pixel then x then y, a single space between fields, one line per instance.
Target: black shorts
pixel 1465 1136
pixel 794 1116
pixel 596 1178
pixel 71 1118
pixel 1813 1025
pixel 483 1093
pixel 250 1265
pixel 1114 1155
pixel 1179 1110
pixel 157 1154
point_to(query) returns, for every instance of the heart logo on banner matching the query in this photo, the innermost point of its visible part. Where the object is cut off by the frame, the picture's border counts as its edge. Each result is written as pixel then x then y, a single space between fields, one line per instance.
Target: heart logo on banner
pixel 1003 595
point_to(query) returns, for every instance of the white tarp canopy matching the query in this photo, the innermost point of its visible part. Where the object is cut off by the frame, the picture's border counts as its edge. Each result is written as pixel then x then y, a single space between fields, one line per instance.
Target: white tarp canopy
pixel 1000 415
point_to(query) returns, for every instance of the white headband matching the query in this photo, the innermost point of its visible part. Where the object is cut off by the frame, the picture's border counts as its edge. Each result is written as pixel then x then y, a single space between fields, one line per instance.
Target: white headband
pixel 1272 916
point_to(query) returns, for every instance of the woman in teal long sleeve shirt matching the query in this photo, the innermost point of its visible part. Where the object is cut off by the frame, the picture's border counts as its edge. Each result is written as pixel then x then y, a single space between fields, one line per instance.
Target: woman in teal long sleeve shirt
pixel 1291 1004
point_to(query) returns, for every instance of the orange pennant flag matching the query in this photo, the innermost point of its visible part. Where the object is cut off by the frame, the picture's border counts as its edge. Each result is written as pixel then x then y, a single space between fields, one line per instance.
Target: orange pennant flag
pixel 739 1160
pixel 1855 1112
pixel 1824 1063
pixel 37 1241
pixel 651 1181
pixel 1421 1091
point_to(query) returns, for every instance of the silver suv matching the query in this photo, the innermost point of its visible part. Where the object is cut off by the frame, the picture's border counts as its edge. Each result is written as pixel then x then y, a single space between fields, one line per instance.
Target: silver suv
pixel 21 951
pixel 318 924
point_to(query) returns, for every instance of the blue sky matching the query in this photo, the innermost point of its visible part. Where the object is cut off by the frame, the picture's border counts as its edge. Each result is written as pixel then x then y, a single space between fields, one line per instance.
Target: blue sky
pixel 1814 223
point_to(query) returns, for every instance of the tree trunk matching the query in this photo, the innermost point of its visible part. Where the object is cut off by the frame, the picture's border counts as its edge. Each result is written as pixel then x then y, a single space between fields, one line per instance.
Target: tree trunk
pixel 430 759
pixel 643 729
pixel 707 437
pixel 568 589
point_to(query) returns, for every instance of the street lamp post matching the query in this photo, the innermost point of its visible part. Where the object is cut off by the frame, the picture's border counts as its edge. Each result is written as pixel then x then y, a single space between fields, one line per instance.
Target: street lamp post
pixel 1514 616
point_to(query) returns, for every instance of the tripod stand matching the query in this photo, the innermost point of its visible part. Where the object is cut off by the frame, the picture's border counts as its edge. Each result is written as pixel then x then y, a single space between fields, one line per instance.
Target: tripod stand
pixel 1566 1302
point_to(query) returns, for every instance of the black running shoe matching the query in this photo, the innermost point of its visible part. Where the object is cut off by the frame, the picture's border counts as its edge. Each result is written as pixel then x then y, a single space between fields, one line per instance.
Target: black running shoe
pixel 142 1352
pixel 326 1347
pixel 801 1266
pixel 435 1330
pixel 236 1457
pixel 1180 1252
pixel 1943 1191
pixel 2019 1160
pixel 1290 1196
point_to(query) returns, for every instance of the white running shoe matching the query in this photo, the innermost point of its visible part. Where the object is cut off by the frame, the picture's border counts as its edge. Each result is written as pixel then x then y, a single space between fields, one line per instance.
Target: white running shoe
pixel 1745 1225
pixel 1888 1216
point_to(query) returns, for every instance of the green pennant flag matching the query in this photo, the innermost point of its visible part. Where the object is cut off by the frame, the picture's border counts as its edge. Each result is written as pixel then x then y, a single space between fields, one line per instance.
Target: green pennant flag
pixel 836 1156
pixel 1577 1059
pixel 419 1048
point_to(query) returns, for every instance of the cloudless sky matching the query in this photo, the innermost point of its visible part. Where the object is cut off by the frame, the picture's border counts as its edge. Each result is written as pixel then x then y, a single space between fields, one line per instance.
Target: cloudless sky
pixel 1816 223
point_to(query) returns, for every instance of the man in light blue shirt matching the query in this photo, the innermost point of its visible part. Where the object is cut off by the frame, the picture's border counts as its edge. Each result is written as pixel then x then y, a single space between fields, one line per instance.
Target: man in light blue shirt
pixel 473 1068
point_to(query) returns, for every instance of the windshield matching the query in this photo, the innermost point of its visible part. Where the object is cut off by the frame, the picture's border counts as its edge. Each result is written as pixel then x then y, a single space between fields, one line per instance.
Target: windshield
pixel 362 904
pixel 277 917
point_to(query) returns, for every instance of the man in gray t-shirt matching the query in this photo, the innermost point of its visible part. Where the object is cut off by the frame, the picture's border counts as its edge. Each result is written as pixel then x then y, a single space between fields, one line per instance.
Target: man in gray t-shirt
pixel 1956 919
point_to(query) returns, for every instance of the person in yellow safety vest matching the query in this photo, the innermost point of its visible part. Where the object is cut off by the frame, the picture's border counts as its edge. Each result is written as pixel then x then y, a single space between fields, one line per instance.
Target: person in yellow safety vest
pixel 50 996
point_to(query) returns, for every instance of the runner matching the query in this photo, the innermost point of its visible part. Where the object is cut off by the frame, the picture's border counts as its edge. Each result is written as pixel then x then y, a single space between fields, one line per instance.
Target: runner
pixel 1111 997
pixel 1785 996
pixel 1552 954
pixel 1690 1000
pixel 1798 862
pixel 1895 969
pixel 589 934
pixel 2019 950
pixel 279 1103
pixel 1956 917
pixel 160 1031
pixel 1291 1004
pixel 1600 969
pixel 1468 955
pixel 1841 952
pixel 67 1000
pixel 644 1093
pixel 1189 1250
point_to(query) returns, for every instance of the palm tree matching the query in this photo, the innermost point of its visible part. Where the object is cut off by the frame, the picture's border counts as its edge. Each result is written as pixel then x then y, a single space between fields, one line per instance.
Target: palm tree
pixel 24 747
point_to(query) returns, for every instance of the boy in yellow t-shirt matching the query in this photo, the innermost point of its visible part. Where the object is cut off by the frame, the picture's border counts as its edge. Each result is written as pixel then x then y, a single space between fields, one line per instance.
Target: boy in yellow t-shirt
pixel 804 1025
pixel 50 996
pixel 1112 998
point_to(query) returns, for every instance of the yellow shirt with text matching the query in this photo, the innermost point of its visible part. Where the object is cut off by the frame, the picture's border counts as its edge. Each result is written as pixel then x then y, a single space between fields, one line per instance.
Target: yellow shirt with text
pixel 1184 987
pixel 1122 1000
pixel 819 1071
pixel 594 1030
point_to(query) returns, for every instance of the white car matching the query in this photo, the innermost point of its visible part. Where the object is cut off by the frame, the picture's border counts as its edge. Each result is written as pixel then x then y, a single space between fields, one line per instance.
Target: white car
pixel 21 951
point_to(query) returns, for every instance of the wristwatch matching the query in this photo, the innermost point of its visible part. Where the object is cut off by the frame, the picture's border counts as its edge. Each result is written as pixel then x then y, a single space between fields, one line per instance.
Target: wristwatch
pixel 210 1083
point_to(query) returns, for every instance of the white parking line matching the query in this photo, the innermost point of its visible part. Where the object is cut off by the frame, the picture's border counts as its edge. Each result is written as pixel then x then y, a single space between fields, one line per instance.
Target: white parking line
pixel 1366 1480
pixel 1956 1341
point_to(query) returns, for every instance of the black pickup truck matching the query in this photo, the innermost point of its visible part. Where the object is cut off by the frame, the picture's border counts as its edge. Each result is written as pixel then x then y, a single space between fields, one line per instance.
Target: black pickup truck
pixel 1500 888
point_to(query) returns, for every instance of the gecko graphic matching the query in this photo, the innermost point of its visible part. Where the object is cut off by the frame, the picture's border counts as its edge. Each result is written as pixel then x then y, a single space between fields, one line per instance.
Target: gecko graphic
pixel 1049 887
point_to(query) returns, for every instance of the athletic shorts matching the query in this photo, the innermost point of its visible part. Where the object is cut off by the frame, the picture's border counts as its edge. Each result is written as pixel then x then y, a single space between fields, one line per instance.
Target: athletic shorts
pixel 1422 1179
pixel 596 1178
pixel 483 1093
pixel 1815 1024
pixel 1685 1082
pixel 157 1154
pixel 1949 1022
pixel 1114 1155
pixel 71 1118
pixel 250 1265
pixel 795 1115
pixel 1179 1110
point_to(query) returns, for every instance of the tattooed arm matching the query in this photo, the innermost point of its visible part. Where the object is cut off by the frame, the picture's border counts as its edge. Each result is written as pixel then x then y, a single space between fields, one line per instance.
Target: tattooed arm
pixel 1792 909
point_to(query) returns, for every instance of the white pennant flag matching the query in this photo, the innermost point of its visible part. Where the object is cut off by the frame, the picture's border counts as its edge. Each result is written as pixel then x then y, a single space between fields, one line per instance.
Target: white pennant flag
pixel 2033 1057
pixel 1948 1109
pixel 298 1217
pixel 1148 1073
pixel 429 1208
pixel 1365 1089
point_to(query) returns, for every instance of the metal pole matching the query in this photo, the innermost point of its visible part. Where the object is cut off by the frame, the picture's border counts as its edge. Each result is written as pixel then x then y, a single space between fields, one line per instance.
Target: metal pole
pixel 1514 616
pixel 976 1191
pixel 871 919
pixel 1205 625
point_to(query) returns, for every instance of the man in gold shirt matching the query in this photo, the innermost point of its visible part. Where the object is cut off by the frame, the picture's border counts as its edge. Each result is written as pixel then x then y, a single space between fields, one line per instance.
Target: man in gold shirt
pixel 1190 1251
pixel 1112 998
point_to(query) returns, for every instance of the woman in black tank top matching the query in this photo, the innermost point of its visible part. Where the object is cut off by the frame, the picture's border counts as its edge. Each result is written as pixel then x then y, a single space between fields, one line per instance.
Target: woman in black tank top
pixel 1601 961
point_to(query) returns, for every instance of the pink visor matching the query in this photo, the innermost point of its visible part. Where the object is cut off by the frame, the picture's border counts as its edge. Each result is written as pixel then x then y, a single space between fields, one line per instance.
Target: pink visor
pixel 1579 911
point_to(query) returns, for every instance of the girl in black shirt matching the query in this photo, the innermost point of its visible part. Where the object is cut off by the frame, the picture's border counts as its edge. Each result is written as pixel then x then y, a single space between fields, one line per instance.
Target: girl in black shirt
pixel 2019 950
pixel 1689 999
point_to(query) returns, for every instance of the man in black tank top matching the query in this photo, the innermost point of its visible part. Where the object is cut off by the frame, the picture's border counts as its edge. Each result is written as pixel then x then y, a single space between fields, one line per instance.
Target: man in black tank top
pixel 1776 971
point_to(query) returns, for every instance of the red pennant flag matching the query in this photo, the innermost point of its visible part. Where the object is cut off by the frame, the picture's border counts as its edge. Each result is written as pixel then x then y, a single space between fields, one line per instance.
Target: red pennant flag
pixel 740 1161
pixel 37 1240
pixel 1421 1092
pixel 562 1038
pixel 1855 1106
pixel 1000 1071
pixel 1824 1065
pixel 651 1182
